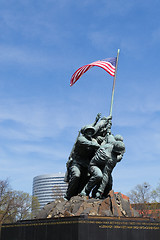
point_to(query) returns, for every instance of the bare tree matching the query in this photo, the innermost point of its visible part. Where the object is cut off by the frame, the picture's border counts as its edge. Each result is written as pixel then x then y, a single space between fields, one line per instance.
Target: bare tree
pixel 35 207
pixel 141 193
pixel 140 196
pixel 156 193
pixel 57 192
pixel 156 201
pixel 143 199
pixel 14 205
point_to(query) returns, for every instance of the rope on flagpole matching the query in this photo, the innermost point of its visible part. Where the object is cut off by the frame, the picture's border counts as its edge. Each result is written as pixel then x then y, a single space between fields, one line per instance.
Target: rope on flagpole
pixel 114 81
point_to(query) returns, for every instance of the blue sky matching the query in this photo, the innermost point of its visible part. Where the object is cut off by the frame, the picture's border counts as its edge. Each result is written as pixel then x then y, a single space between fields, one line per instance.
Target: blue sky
pixel 42 43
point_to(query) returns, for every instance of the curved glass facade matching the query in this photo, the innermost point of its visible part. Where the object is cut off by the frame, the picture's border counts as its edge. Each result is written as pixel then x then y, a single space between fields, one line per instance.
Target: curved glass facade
pixel 48 187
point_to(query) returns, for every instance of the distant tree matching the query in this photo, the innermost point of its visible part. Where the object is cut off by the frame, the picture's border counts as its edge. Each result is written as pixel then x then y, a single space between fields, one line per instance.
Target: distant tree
pixel 14 205
pixel 143 199
pixel 57 192
pixel 140 196
pixel 156 193
pixel 141 193
pixel 35 207
pixel 156 201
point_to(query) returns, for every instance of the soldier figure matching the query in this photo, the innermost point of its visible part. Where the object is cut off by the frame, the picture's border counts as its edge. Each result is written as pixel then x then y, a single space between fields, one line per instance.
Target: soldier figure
pixel 102 164
pixel 87 143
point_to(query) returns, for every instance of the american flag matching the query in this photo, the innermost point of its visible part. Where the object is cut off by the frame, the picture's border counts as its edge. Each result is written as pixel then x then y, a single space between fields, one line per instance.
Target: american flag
pixel 108 64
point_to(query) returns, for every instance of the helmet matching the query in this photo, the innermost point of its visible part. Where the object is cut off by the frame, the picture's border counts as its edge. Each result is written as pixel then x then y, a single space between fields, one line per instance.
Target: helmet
pixel 118 138
pixel 119 147
pixel 88 130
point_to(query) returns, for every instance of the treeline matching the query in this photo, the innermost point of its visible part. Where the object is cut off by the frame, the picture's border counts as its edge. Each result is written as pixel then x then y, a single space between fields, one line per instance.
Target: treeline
pixel 15 205
pixel 18 205
pixel 146 200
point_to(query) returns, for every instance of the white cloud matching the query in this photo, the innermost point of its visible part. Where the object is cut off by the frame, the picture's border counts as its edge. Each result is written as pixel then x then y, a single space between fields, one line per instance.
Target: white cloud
pixel 35 120
pixel 21 56
pixel 102 39
pixel 29 57
pixel 50 151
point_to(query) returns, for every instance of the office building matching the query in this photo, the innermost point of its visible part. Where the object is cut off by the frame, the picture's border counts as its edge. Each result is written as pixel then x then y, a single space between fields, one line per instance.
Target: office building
pixel 49 187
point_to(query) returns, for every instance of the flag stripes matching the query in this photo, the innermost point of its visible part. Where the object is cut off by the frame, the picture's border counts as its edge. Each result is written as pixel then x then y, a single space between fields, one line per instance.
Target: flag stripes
pixel 109 65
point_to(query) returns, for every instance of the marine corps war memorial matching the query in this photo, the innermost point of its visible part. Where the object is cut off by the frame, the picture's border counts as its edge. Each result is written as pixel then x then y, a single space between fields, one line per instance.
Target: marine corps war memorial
pixel 90 209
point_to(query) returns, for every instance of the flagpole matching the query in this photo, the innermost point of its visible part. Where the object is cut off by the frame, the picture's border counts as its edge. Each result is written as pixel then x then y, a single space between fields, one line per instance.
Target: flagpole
pixel 114 81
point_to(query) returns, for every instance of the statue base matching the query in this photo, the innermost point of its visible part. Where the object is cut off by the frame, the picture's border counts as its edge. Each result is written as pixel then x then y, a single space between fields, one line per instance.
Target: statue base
pixel 112 206
pixel 83 228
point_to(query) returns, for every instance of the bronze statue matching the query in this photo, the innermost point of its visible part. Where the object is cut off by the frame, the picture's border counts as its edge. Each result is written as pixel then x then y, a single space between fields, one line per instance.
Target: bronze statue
pixel 95 144
pixel 79 159
pixel 101 167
